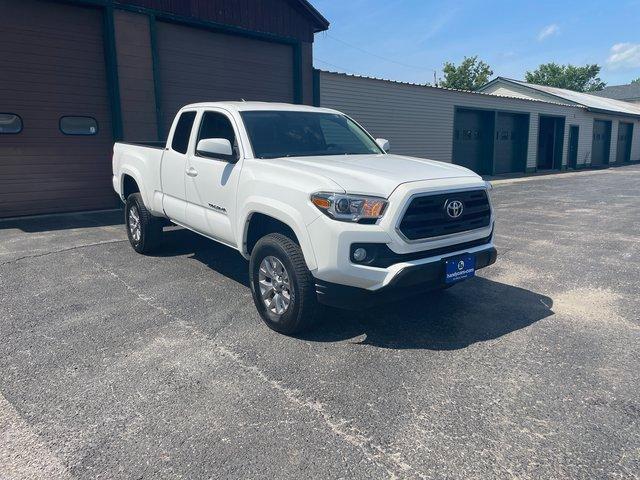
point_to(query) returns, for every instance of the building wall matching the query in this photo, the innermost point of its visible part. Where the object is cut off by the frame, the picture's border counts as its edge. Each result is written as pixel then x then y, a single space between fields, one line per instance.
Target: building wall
pixel 52 65
pixel 307 72
pixel 635 142
pixel 100 59
pixel 418 120
pixel 585 119
pixel 135 63
pixel 135 76
pixel 277 17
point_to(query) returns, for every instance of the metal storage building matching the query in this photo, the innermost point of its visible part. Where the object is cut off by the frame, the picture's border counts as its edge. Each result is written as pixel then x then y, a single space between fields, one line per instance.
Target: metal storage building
pixel 613 120
pixel 79 74
pixel 489 133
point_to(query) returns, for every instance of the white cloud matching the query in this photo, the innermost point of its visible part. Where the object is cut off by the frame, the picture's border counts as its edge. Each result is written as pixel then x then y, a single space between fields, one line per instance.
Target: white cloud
pixel 624 55
pixel 548 31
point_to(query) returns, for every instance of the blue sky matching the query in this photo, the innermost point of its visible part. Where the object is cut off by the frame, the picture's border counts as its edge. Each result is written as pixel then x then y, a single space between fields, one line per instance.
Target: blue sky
pixel 408 39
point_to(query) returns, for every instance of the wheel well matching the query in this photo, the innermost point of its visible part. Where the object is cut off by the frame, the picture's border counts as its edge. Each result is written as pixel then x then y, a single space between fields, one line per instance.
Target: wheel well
pixel 261 225
pixel 129 186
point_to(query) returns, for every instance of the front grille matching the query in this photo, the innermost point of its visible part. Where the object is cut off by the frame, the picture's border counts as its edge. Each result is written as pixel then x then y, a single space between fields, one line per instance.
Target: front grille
pixel 427 217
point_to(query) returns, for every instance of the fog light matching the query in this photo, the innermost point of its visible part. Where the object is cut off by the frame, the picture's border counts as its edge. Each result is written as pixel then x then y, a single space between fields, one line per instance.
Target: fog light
pixel 359 254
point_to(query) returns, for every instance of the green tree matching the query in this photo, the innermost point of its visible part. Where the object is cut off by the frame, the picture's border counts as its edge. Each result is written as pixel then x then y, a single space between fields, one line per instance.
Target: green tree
pixel 571 77
pixel 637 80
pixel 471 74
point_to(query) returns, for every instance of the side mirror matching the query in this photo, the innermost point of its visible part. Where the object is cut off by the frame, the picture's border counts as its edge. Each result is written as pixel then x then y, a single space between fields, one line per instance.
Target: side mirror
pixel 216 148
pixel 383 144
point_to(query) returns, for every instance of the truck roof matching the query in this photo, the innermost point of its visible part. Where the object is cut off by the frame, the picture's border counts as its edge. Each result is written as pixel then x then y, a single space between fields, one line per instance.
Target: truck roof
pixel 245 106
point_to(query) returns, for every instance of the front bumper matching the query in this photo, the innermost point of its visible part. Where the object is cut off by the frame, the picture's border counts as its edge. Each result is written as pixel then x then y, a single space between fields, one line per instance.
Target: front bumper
pixel 332 240
pixel 408 281
pixel 332 243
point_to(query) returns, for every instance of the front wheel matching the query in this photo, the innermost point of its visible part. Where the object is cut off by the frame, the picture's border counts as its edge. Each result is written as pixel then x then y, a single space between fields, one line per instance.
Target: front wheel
pixel 282 286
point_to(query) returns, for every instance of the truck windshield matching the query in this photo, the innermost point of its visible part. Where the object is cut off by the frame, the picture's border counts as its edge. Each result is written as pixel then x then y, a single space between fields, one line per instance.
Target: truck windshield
pixel 276 134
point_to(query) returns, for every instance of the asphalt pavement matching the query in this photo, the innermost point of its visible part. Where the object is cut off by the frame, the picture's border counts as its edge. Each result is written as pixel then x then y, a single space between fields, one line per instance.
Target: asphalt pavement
pixel 116 365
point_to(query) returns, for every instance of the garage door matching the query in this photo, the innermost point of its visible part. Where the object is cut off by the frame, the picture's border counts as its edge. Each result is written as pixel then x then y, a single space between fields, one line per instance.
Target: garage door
pixel 52 64
pixel 472 139
pixel 625 135
pixel 222 67
pixel 511 139
pixel 601 142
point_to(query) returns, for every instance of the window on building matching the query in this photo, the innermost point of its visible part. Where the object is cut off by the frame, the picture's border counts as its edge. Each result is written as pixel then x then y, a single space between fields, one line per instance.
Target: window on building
pixel 78 125
pixel 10 123
pixel 180 142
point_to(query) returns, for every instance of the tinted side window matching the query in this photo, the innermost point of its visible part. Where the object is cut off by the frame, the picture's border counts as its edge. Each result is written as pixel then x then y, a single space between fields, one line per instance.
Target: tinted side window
pixel 78 125
pixel 10 123
pixel 180 141
pixel 216 125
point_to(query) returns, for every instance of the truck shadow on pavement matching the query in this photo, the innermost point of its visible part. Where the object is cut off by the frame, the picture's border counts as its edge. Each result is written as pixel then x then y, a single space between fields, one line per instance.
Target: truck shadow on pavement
pixel 67 221
pixel 224 260
pixel 474 311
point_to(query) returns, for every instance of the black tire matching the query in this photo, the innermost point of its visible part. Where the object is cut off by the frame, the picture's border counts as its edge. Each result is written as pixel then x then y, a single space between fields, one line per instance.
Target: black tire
pixel 302 310
pixel 150 234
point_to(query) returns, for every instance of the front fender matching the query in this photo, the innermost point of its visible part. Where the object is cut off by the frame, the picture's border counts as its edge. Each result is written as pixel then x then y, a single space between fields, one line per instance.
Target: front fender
pixel 282 212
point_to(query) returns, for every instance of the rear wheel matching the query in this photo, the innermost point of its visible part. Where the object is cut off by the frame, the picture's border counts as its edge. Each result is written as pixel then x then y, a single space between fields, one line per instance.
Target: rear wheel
pixel 143 229
pixel 282 286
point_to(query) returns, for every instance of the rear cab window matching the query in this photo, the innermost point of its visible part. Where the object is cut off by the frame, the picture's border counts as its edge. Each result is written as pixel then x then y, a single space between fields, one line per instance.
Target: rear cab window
pixel 182 132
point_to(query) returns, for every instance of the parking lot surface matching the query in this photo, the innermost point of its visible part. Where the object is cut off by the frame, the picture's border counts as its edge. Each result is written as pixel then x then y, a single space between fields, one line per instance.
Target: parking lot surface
pixel 116 365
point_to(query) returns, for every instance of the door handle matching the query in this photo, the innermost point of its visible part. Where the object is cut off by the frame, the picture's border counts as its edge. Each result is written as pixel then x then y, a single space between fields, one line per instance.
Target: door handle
pixel 192 172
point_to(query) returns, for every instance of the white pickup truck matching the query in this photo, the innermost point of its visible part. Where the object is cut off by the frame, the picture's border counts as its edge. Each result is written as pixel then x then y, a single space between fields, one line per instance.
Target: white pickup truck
pixel 319 208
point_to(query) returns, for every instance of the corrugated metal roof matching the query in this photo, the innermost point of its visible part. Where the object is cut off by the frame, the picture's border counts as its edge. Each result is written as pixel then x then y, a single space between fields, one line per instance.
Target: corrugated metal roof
pixel 470 92
pixel 591 102
pixel 620 92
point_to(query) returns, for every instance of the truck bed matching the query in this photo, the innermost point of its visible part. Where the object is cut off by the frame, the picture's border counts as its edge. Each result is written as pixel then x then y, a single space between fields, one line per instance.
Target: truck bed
pixel 140 161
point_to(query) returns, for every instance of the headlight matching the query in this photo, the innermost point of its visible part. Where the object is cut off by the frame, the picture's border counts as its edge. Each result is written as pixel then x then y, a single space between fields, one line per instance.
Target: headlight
pixel 349 208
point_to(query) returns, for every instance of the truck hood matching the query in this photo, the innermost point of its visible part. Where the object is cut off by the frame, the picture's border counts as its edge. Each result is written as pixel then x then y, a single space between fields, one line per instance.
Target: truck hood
pixel 376 175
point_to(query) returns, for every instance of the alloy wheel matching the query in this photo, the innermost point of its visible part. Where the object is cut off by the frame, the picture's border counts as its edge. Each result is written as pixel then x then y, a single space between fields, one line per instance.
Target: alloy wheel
pixel 134 224
pixel 275 287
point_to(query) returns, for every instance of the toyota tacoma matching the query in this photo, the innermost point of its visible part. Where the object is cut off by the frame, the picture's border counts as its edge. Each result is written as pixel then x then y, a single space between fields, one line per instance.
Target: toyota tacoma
pixel 322 211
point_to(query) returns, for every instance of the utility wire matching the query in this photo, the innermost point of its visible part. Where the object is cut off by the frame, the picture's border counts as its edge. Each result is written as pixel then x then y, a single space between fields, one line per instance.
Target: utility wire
pixel 375 54
pixel 350 71
pixel 331 64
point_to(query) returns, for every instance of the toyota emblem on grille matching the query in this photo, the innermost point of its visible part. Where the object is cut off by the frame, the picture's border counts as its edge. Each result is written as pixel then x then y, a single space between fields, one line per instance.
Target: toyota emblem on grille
pixel 454 208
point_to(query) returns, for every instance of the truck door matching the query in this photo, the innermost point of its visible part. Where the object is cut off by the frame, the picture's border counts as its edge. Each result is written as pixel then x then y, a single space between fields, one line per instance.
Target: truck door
pixel 211 183
pixel 174 165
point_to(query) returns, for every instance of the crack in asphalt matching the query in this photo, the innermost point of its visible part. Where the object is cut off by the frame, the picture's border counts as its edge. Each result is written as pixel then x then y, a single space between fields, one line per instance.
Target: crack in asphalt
pixel 391 462
pixel 52 252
